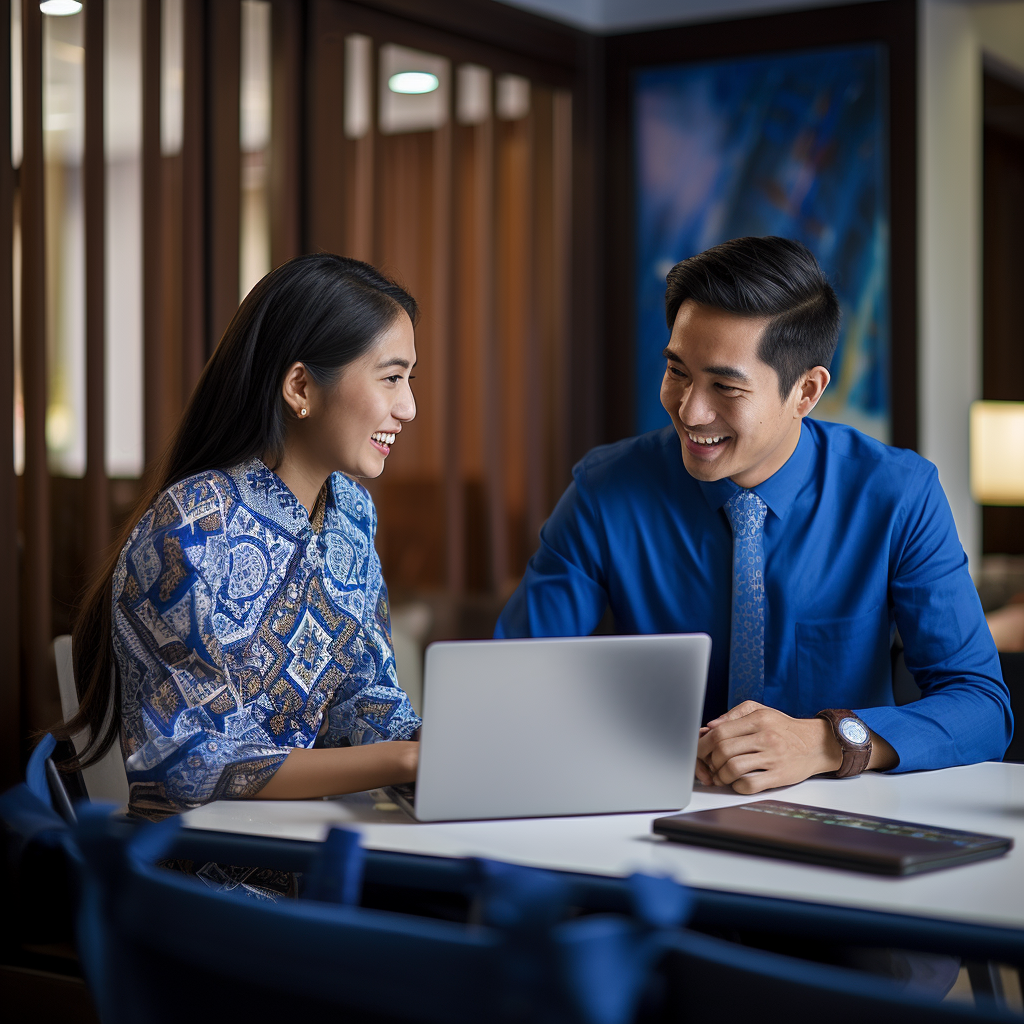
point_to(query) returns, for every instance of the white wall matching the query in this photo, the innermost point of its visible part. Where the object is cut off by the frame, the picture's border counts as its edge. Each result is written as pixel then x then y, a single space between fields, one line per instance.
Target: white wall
pixel 954 38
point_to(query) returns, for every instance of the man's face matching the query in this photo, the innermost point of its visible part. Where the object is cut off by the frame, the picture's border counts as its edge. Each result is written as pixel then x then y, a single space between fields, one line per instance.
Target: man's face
pixel 724 401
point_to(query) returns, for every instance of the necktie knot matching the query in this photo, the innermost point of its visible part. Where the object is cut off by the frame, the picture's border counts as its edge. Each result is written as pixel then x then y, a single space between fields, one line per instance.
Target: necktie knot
pixel 746 512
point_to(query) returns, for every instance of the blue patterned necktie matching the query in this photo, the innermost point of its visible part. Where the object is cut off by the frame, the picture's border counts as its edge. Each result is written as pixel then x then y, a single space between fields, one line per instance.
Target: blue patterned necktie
pixel 746 512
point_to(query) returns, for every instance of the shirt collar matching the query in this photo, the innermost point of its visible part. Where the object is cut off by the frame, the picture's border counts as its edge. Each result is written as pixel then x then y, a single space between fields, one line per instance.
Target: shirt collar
pixel 263 491
pixel 779 491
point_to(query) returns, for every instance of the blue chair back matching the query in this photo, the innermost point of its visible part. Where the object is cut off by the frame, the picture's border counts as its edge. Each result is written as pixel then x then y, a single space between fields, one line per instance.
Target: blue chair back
pixel 157 945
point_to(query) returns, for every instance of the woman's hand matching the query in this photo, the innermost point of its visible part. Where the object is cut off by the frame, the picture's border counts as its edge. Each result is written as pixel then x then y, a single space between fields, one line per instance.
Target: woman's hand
pixel 332 771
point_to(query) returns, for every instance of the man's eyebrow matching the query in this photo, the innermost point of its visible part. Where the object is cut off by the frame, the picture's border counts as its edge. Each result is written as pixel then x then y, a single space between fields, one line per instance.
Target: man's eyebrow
pixel 669 354
pixel 731 372
pixel 396 361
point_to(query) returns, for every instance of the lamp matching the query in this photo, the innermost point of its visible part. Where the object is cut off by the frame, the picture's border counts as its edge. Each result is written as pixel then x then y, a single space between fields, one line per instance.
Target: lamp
pixel 413 82
pixel 997 453
pixel 60 8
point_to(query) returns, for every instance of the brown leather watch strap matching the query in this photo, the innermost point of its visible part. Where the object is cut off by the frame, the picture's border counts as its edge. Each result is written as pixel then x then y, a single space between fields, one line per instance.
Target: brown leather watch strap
pixel 853 736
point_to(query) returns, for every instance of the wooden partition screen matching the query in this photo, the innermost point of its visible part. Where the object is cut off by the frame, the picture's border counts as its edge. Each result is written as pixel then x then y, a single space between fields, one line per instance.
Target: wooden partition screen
pixel 491 220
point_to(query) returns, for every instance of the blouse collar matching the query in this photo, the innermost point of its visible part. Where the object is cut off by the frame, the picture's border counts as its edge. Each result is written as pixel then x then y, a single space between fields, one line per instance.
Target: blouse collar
pixel 263 491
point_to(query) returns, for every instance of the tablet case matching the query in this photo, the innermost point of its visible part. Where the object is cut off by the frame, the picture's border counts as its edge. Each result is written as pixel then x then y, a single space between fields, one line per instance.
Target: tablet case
pixel 818 835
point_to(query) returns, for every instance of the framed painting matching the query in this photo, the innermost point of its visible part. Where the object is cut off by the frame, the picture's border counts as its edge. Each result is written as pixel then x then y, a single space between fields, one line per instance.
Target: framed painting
pixel 793 144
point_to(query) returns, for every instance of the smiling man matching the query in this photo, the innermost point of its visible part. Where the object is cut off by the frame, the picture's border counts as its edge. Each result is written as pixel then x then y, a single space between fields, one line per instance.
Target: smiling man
pixel 799 546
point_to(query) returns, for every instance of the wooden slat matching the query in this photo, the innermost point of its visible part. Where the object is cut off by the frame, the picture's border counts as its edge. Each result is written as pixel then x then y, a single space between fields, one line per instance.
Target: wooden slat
pixel 193 197
pixel 41 697
pixel 493 419
pixel 325 140
pixel 445 350
pixel 97 502
pixel 224 169
pixel 365 241
pixel 563 260
pixel 10 681
pixel 154 383
pixel 286 45
pixel 538 271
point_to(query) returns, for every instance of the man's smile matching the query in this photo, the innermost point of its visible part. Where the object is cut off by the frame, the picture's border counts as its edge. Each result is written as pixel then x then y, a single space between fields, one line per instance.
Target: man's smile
pixel 704 445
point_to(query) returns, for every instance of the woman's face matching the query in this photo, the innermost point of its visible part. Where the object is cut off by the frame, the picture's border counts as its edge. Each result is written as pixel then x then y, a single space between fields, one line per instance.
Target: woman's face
pixel 363 413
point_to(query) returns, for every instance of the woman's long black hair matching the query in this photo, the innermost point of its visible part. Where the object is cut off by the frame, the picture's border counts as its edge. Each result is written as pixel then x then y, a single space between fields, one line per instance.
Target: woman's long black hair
pixel 321 310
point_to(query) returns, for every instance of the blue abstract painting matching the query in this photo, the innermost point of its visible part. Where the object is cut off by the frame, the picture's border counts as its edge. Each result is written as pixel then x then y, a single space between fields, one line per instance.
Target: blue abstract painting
pixel 792 144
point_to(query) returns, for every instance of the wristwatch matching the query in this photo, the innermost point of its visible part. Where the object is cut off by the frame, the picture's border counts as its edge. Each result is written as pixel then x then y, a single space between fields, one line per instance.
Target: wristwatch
pixel 853 736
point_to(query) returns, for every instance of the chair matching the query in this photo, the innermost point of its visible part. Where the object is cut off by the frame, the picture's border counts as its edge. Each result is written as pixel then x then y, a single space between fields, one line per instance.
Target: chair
pixel 105 780
pixel 539 950
pixel 155 944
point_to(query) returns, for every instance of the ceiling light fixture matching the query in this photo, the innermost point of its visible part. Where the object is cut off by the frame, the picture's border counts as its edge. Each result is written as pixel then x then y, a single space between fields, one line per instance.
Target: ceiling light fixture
pixel 60 8
pixel 413 82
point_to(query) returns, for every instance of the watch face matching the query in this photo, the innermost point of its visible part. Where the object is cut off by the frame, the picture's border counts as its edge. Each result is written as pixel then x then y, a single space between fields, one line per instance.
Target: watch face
pixel 853 731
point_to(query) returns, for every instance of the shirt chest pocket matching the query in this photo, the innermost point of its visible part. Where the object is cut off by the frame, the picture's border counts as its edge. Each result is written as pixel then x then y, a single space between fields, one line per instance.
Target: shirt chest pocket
pixel 844 663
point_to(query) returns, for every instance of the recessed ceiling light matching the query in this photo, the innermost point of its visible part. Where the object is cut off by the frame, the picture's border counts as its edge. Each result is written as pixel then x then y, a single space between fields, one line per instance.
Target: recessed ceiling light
pixel 60 8
pixel 413 82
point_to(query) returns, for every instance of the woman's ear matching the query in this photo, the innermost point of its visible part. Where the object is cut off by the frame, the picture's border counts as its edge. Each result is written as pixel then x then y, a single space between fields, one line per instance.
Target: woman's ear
pixel 297 390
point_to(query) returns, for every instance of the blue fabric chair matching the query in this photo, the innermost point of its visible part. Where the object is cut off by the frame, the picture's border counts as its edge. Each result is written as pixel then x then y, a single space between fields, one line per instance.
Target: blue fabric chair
pixel 156 945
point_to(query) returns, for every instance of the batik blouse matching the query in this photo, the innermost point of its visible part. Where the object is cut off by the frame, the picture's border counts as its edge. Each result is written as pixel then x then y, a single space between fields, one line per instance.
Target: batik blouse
pixel 238 628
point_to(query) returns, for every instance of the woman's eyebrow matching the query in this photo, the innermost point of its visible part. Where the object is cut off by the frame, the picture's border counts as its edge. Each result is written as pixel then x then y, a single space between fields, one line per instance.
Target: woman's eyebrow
pixel 396 361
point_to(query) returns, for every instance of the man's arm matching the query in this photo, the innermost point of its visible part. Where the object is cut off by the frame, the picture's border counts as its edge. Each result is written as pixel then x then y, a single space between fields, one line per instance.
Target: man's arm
pixel 963 715
pixel 562 592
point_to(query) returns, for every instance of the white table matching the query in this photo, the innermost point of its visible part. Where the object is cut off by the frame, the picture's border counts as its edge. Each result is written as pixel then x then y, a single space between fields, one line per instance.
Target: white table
pixel 986 797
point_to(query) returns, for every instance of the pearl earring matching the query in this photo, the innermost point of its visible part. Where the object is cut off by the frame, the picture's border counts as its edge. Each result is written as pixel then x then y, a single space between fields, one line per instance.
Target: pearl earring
pixel 303 412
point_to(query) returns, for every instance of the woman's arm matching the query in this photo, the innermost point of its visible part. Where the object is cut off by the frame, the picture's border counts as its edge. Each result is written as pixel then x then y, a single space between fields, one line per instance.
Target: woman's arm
pixel 331 771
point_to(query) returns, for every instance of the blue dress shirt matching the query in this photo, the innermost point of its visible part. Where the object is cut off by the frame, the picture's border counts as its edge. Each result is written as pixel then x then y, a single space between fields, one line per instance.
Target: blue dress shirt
pixel 859 540
pixel 240 629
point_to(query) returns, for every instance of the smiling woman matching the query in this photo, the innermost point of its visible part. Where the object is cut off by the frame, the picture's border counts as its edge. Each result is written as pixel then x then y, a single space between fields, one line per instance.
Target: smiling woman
pixel 245 615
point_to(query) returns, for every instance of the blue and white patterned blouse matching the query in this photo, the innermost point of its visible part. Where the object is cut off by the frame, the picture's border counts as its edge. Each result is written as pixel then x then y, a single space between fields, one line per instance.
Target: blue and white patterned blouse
pixel 237 627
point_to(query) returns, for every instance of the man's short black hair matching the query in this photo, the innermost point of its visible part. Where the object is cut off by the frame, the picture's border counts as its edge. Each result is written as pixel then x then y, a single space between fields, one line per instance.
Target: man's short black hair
pixel 774 278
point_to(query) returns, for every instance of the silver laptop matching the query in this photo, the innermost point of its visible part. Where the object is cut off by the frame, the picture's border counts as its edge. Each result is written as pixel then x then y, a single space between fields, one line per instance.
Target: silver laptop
pixel 532 728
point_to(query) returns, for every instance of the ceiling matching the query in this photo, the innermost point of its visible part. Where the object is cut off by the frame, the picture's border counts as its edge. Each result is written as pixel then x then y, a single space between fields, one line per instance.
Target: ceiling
pixel 624 15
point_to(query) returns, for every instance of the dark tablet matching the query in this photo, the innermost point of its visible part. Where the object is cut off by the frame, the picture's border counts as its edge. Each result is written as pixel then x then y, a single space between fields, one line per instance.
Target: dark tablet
pixel 817 835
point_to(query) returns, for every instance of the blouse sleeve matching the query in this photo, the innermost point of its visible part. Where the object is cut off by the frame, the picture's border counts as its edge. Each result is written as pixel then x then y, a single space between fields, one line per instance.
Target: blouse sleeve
pixel 188 736
pixel 370 705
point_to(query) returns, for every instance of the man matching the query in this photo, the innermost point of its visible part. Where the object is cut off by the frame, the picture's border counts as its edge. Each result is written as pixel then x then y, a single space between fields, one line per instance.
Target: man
pixel 799 546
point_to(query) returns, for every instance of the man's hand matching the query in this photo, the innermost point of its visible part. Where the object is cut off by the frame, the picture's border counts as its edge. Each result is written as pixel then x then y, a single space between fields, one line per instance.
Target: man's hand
pixel 753 748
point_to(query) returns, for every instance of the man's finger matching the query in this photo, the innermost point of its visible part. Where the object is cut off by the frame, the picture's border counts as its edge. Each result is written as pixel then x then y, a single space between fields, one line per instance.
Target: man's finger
pixel 758 782
pixel 734 746
pixel 741 710
pixel 738 766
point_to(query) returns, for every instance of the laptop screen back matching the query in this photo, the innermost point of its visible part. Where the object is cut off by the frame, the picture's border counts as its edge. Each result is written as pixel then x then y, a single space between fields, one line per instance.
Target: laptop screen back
pixel 588 725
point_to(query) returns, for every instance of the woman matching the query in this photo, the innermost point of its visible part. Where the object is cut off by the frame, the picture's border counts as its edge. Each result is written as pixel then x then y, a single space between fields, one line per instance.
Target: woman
pixel 246 614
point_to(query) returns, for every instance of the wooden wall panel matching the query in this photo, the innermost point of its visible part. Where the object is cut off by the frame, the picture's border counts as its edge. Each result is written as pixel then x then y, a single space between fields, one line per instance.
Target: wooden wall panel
pixel 492 426
pixel 154 397
pixel 224 164
pixel 193 196
pixel 286 130
pixel 448 370
pixel 37 612
pixel 96 496
pixel 10 678
pixel 326 184
pixel 514 325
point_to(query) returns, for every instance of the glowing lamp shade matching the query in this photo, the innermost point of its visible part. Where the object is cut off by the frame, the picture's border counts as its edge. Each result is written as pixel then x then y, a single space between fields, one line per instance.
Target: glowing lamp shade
pixel 997 453
pixel 413 82
pixel 60 8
